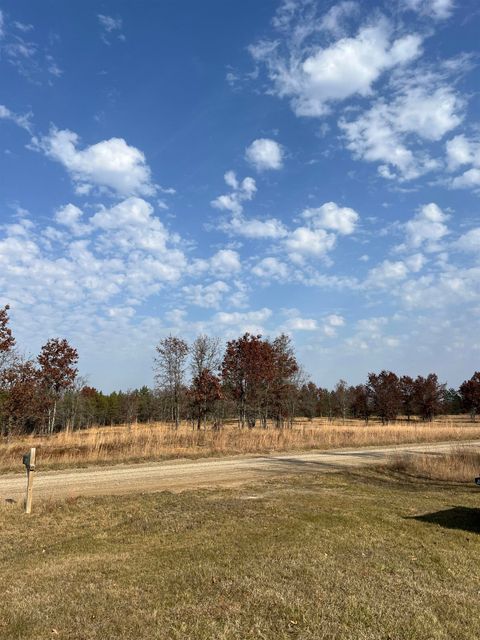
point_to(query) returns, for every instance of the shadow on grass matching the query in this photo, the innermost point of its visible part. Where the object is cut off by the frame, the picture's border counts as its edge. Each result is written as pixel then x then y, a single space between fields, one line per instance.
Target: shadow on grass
pixel 464 518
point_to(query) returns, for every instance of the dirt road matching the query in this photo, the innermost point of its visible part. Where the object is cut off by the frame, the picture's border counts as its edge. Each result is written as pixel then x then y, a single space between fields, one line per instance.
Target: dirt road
pixel 181 474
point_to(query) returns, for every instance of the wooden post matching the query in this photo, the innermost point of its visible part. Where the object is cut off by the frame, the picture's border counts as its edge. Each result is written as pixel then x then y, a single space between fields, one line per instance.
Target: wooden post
pixel 30 464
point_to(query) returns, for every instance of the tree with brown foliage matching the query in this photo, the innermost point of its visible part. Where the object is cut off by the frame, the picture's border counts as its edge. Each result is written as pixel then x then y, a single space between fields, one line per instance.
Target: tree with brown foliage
pixel 205 391
pixel 7 341
pixel 58 371
pixel 470 394
pixel 384 391
pixel 25 401
pixel 170 364
pixel 407 393
pixel 428 396
pixel 360 402
pixel 284 386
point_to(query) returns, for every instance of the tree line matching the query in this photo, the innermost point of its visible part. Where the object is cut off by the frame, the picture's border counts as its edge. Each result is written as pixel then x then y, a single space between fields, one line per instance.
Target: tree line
pixel 254 380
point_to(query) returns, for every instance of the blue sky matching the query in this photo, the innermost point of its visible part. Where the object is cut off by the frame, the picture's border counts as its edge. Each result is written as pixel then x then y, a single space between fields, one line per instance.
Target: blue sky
pixel 301 166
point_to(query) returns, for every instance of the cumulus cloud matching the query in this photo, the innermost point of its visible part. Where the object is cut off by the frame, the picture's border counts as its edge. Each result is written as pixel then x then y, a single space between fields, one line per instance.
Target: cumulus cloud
pixel 70 216
pixel 265 154
pixel 469 242
pixel 335 18
pixel 330 216
pixel 240 191
pixel 427 228
pixel 382 133
pixel 110 165
pixel 271 228
pixel 436 9
pixel 226 262
pixel 206 295
pixel 386 274
pixel 462 152
pixel 271 268
pixel 314 77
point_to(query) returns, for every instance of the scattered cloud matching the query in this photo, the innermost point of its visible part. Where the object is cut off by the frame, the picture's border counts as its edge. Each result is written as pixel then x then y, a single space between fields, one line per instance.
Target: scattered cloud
pixel 23 121
pixel 265 154
pixel 314 77
pixel 436 9
pixel 240 191
pixel 383 134
pixel 110 165
pixel 462 152
pixel 110 26
pixel 427 228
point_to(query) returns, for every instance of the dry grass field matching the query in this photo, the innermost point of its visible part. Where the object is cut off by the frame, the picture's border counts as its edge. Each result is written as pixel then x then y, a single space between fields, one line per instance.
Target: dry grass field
pixel 461 465
pixel 136 443
pixel 359 556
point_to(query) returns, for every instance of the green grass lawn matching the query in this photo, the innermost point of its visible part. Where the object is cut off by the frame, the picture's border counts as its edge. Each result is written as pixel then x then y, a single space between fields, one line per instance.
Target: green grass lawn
pixel 337 556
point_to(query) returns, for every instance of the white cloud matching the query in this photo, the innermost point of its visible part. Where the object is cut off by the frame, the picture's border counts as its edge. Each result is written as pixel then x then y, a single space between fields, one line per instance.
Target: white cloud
pixel 23 121
pixel 270 228
pixel 239 322
pixel 208 295
pixel 225 261
pixel 302 324
pixel 304 241
pixel 110 25
pixel 335 18
pixel 437 9
pixel 382 134
pixel 111 165
pixel 265 154
pixel 426 228
pixel 315 77
pixel 271 268
pixel 462 151
pixel 241 191
pixel 469 242
pixel 335 320
pixel 330 216
pixel 70 216
pixel 386 274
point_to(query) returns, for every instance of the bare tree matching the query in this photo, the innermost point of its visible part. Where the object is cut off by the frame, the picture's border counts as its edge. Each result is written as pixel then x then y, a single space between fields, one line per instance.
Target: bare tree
pixel 205 354
pixel 169 366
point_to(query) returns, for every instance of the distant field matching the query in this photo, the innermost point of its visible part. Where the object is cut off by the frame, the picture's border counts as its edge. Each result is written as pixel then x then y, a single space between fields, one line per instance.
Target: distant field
pixel 339 556
pixel 132 443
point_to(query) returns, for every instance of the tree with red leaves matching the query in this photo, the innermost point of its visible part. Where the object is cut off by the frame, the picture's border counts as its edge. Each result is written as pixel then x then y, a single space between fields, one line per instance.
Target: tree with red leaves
pixel 407 393
pixel 470 394
pixel 57 362
pixel 205 391
pixel 25 401
pixel 384 391
pixel 360 402
pixel 428 396
pixel 247 373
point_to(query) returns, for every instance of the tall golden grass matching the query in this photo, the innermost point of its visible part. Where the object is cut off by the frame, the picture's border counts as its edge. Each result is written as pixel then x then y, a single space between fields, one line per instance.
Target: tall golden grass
pixel 135 443
pixel 460 465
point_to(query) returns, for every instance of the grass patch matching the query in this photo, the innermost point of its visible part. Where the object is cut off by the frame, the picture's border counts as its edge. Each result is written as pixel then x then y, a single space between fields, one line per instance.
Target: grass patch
pixel 460 465
pixel 312 557
pixel 139 443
